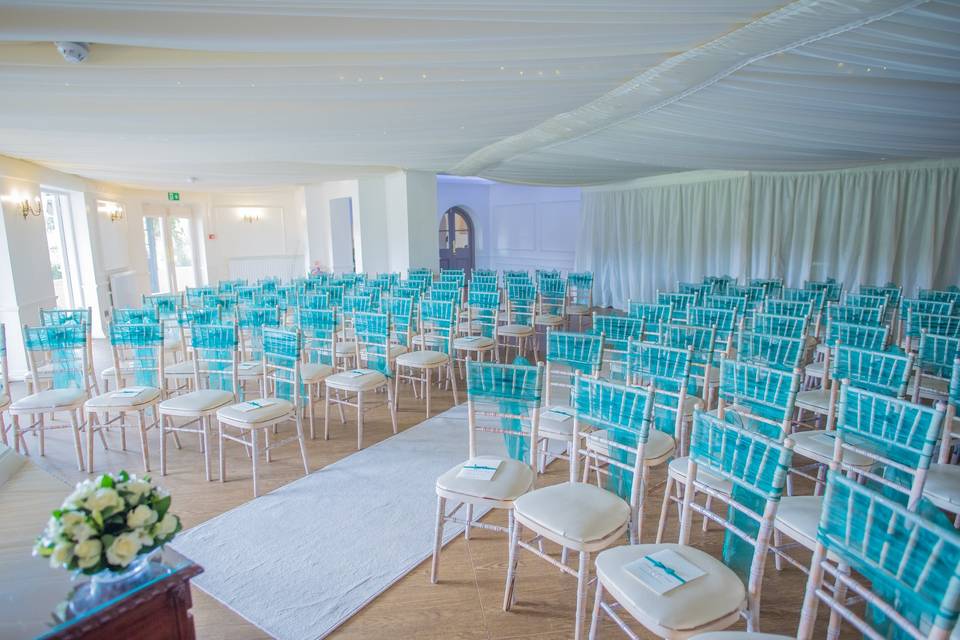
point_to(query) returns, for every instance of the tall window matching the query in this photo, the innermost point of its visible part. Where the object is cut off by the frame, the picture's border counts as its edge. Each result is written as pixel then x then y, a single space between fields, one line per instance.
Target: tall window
pixel 63 253
pixel 171 250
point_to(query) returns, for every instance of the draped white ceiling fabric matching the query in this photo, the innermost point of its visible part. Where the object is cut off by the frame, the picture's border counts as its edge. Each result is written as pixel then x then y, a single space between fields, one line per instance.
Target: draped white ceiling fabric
pixel 870 225
pixel 249 92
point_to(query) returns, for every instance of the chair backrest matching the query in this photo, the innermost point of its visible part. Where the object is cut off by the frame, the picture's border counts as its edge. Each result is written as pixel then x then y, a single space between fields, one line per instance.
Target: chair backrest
pixel 483 285
pixel 334 293
pixel 442 293
pixel 857 335
pixel 794 308
pixel 702 340
pixel 922 305
pixel 697 289
pixel 652 315
pixel 863 300
pixel 575 352
pixel 817 297
pixel 229 286
pixel 776 352
pixel 552 296
pixel 373 341
pixel 314 301
pixel 521 304
pixel 192 315
pixel 872 316
pixel 318 328
pixel 832 290
pixel 147 315
pixel 401 291
pixel 756 466
pixel 513 393
pixel 897 435
pixel 252 322
pixel 892 293
pixel 725 320
pixel 940 295
pixel 355 302
pixel 216 356
pixel 886 373
pixel 516 277
pixel 904 566
pixel 166 304
pixel 719 284
pixel 754 295
pixel 775 325
pixel 65 347
pixel 137 353
pixel 440 316
pixel 620 418
pixel 227 302
pixel 936 354
pixel 281 364
pixel 940 324
pixel 772 287
pixel 194 295
pixel 401 315
pixel 483 312
pixel 580 288
pixel 680 302
pixel 735 303
pixel 668 370
pixel 764 396
pixel 617 332
pixel 456 276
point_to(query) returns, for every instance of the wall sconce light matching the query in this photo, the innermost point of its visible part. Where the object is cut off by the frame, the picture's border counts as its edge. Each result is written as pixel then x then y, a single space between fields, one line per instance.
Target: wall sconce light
pixel 249 217
pixel 28 208
pixel 115 213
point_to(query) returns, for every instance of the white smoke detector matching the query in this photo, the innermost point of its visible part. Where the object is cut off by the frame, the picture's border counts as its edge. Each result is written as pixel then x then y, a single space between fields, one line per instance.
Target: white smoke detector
pixel 73 52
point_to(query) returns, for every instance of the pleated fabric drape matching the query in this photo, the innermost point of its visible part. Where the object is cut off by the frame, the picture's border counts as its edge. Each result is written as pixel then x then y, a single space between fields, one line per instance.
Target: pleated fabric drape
pixel 894 223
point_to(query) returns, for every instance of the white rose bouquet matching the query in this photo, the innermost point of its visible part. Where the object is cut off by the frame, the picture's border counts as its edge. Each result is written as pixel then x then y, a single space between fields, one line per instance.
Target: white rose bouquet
pixel 106 523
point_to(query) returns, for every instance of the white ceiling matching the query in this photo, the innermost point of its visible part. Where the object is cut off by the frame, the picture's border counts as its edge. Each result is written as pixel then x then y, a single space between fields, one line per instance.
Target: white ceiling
pixel 255 93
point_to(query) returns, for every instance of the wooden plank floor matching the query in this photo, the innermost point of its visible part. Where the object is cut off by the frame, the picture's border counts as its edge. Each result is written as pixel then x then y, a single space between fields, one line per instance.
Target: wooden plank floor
pixel 467 601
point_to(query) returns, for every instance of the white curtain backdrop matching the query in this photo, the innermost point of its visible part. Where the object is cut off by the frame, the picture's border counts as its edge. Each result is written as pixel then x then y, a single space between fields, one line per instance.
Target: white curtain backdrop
pixel 896 223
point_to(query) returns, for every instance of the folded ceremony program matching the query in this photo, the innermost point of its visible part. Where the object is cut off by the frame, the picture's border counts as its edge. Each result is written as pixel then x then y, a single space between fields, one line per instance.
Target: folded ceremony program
pixel 253 405
pixel 663 571
pixel 355 373
pixel 557 414
pixel 129 392
pixel 480 469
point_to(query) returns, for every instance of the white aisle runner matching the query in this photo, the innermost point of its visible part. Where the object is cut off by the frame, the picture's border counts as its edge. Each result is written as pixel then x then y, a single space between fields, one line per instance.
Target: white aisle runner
pixel 299 561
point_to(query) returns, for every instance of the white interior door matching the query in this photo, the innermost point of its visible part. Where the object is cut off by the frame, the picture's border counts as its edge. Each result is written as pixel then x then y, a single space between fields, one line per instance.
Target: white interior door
pixel 170 238
pixel 63 250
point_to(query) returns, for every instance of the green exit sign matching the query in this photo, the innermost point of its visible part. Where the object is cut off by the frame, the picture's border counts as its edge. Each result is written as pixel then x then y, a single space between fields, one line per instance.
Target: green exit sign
pixel 173 195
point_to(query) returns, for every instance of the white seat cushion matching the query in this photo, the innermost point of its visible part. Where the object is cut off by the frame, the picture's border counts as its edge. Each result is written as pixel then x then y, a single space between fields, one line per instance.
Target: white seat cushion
pixel 549 318
pixel 814 370
pixel 397 349
pixel 514 330
pixel 551 427
pixel 196 401
pixel 678 468
pixel 473 343
pixel 817 400
pixel 346 381
pixel 738 635
pixel 108 373
pixel 817 445
pixel 346 348
pixel 50 399
pixel 276 408
pixel 798 517
pixel 575 510
pixel 44 371
pixel 313 372
pixel 710 597
pixel 250 369
pixel 182 369
pixel 943 486
pixel 423 358
pixel 512 479
pixel 577 309
pixel 112 399
pixel 659 443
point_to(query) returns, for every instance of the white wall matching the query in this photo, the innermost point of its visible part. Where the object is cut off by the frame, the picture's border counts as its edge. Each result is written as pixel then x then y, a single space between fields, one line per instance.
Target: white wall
pixel 516 226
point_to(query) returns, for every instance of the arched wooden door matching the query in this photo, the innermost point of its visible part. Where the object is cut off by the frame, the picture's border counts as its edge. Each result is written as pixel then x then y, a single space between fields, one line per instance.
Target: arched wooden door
pixel 456 240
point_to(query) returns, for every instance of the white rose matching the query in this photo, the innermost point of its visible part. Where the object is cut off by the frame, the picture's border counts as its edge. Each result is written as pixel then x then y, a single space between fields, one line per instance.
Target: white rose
pixel 146 539
pixel 104 499
pixel 88 553
pixel 124 549
pixel 70 519
pixel 81 492
pixel 62 554
pixel 166 526
pixel 141 516
pixel 137 489
pixel 82 532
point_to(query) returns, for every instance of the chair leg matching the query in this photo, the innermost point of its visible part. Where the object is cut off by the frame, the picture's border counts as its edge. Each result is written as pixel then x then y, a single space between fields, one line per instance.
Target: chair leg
pixel 144 446
pixel 205 425
pixel 359 420
pixel 76 439
pixel 467 527
pixel 313 432
pixel 438 539
pixel 583 575
pixel 90 429
pixel 426 382
pixel 303 448
pixel 254 455
pixel 664 507
pixel 223 461
pixel 453 381
pixel 777 541
pixel 15 419
pixel 391 404
pixel 512 566
pixel 326 412
pixel 597 612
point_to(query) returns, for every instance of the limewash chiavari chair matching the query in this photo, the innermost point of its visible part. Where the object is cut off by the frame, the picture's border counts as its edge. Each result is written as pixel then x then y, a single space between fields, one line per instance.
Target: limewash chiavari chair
pixel 62 317
pixel 551 303
pixel 435 352
pixel 167 306
pixel 780 325
pixel 4 383
pixel 921 305
pixel 138 356
pixel 706 348
pixel 680 303
pixel 567 355
pixel 580 292
pixel 230 286
pixel 754 295
pixel 668 369
pixel 941 295
pixel 696 289
pixel 181 373
pixel 373 349
pixel 725 321
pixel 194 295
pixel 884 373
pixel 251 322
pixel 734 303
pixel 933 366
pixel 502 399
pixel 216 356
pixel 319 330
pixel 482 323
pixel 832 290
pixel 886 441
pixel 521 313
pixel 755 397
pixel 942 487
pixel 579 516
pixel 225 301
pixel 754 468
pixel 772 287
pixel 905 567
pixel 652 316
pixel 817 298
pixel 617 332
pixel 65 348
pixel 848 334
pixel 937 324
pixel 244 422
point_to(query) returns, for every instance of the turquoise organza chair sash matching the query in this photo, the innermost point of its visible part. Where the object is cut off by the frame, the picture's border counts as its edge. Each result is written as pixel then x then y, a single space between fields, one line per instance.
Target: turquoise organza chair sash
pixel 851 334
pixel 936 354
pixel 229 286
pixel 832 290
pixel 138 348
pixel 725 320
pixel 668 369
pixel 651 315
pixel 318 328
pixel 777 325
pixel 617 332
pixel 252 322
pixel 513 393
pixel 892 293
pixel 64 347
pixel 734 303
pixel 939 324
pixel 816 297
pixel 776 352
pixel 195 295
pixel 281 357
pixel 215 348
pixel 148 315
pixel 759 398
pixel 441 317
pixel 872 316
pixel 794 308
pixel 940 295
pixel 373 341
pixel 921 305
pixel 886 373
pixel 680 303
pixel 402 316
